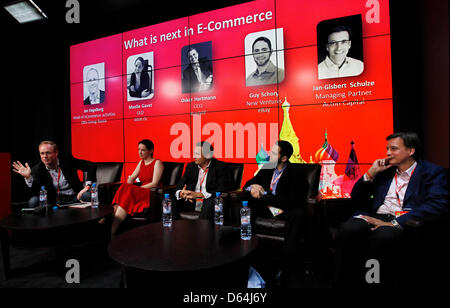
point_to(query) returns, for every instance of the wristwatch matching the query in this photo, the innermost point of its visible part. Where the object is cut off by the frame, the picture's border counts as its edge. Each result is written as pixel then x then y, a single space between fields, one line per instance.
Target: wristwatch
pixel 395 224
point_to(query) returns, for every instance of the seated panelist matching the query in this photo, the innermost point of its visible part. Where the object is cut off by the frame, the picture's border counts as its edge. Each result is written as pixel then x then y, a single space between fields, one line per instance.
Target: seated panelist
pixel 130 198
pixel 276 187
pixel 396 188
pixel 201 180
pixel 59 176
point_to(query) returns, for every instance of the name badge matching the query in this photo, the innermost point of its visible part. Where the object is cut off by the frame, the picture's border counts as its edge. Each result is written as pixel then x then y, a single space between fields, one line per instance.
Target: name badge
pixel 275 211
pixel 400 213
pixel 198 205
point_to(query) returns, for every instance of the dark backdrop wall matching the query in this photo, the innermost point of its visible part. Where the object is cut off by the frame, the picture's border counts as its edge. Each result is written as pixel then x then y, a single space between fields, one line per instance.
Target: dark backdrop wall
pixel 436 89
pixel 35 62
pixel 420 73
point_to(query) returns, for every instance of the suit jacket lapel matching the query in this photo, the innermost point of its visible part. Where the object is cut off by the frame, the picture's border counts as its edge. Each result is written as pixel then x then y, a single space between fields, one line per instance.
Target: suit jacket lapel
pixel 48 182
pixel 65 170
pixel 385 183
pixel 195 173
pixel 413 182
pixel 264 178
pixel 283 178
pixel 210 175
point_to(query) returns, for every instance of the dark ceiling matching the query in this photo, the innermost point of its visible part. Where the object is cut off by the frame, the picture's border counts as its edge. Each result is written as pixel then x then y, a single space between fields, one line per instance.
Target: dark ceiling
pixel 99 18
pixel 36 59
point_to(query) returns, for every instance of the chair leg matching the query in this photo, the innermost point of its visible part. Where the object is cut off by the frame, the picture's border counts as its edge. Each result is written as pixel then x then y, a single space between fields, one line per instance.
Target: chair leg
pixel 123 279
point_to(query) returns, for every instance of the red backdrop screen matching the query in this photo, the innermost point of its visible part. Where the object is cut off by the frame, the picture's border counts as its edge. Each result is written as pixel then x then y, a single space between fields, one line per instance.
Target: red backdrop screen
pixel 242 77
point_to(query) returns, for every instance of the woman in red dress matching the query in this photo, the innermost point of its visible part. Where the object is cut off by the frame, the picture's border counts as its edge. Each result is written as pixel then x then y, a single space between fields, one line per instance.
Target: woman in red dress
pixel 131 199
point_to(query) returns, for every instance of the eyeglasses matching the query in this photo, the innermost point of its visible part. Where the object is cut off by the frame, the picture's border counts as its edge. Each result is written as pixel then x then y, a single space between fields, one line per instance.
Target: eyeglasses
pixel 335 43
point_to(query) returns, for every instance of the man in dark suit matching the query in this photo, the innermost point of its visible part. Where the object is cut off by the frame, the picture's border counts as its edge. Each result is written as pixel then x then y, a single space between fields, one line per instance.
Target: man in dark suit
pixel 201 180
pixel 279 186
pixel 99 98
pixel 396 188
pixel 59 177
pixel 198 75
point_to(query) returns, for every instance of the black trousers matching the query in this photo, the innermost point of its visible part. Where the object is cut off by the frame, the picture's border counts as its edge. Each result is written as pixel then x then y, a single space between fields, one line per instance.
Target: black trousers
pixel 295 232
pixel 356 243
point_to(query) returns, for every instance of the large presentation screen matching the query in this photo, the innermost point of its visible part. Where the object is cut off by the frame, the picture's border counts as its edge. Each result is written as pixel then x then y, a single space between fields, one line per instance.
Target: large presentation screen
pixel 314 73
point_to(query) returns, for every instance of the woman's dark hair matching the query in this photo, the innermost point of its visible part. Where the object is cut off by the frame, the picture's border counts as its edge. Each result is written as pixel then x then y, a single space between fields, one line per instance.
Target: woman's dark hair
pixel 411 141
pixel 148 144
pixel 144 64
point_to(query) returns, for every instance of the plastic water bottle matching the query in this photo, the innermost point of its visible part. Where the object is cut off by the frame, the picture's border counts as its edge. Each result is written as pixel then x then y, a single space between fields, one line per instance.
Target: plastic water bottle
pixel 246 227
pixel 43 200
pixel 94 196
pixel 167 211
pixel 218 209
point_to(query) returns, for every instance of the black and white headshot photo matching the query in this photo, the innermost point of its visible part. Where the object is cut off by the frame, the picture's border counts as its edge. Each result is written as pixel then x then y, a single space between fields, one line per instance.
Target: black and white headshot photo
pixel 94 84
pixel 197 70
pixel 339 43
pixel 264 63
pixel 140 77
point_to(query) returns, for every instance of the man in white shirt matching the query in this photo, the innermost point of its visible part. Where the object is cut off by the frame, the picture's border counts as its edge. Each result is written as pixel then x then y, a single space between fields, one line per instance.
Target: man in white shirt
pixel 395 189
pixel 337 63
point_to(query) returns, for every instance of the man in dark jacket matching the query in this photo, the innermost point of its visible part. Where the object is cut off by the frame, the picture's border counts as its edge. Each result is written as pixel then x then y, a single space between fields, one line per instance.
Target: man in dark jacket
pixel 198 75
pixel 279 186
pixel 59 177
pixel 201 180
pixel 395 188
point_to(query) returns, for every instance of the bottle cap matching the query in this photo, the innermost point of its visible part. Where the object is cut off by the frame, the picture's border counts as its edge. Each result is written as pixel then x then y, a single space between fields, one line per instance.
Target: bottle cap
pixel 94 184
pixel 166 195
pixel 245 203
pixel 217 194
pixel 42 187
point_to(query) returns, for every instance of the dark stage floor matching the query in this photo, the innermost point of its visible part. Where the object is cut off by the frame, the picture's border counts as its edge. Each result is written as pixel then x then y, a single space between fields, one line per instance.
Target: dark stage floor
pixel 45 267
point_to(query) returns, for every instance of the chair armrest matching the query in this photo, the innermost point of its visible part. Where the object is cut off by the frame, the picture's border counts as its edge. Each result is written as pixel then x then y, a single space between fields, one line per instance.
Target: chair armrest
pixel 168 189
pixel 154 211
pixel 413 223
pixel 313 201
pixel 433 221
pixel 112 184
pixel 427 230
pixel 237 195
pixel 107 191
pixel 311 205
